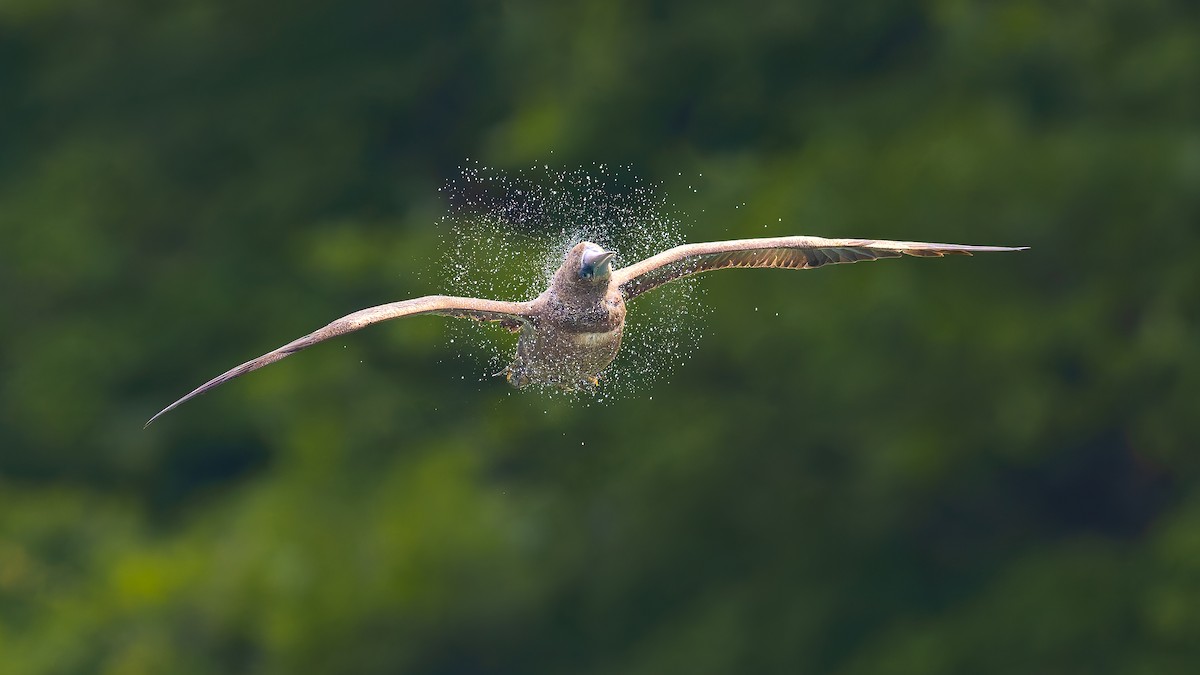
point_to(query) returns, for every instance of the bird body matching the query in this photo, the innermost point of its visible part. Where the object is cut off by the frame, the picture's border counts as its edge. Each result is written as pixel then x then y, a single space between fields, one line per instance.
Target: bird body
pixel 572 331
pixel 575 327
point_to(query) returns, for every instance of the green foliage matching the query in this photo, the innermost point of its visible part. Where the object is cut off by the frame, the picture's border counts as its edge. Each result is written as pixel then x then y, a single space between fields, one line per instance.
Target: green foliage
pixel 968 465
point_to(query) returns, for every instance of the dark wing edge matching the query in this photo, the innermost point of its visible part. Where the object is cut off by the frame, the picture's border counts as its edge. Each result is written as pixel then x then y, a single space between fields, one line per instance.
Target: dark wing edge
pixel 510 314
pixel 776 252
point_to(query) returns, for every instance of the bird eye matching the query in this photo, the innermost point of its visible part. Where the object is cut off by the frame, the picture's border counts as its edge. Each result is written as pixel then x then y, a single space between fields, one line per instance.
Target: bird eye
pixel 586 271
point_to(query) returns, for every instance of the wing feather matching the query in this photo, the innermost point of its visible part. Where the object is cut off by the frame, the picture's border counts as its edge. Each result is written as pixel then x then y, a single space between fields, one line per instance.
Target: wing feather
pixel 511 314
pixel 778 252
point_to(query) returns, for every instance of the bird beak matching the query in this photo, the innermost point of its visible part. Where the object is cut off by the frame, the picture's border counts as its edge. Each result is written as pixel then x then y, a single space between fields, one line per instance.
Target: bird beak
pixel 594 264
pixel 597 259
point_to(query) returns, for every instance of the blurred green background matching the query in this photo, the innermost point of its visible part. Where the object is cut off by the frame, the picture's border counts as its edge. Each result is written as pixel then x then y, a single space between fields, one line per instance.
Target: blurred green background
pixel 983 465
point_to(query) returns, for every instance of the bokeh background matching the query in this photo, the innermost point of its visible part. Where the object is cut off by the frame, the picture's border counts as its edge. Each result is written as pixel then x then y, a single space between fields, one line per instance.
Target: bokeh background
pixel 983 465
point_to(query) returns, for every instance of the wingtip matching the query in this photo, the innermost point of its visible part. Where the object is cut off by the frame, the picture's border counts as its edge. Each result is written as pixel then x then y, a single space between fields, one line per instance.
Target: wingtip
pixel 162 412
pixel 999 249
pixel 151 420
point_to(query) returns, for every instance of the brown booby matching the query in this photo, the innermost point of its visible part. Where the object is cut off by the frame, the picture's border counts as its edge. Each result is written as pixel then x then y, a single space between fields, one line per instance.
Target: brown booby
pixel 572 331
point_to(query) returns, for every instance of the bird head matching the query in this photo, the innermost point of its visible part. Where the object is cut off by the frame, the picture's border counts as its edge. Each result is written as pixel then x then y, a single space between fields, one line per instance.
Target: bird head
pixel 588 263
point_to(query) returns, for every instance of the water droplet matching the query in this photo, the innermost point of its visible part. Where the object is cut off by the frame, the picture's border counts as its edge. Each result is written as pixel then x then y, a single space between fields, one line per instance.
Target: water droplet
pixel 508 231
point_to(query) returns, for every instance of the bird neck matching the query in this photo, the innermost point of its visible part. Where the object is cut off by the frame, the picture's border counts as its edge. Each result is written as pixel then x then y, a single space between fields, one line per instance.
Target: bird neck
pixel 579 298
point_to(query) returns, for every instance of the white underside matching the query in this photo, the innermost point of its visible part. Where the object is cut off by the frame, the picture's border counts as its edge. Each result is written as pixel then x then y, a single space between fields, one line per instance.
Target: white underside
pixel 591 339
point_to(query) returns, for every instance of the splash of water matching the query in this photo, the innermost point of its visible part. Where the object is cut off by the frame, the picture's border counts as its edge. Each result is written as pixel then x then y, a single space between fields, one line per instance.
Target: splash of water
pixel 506 232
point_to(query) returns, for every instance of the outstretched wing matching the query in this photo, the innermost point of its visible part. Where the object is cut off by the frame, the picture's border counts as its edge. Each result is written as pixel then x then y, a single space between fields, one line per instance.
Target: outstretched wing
pixel 785 252
pixel 510 314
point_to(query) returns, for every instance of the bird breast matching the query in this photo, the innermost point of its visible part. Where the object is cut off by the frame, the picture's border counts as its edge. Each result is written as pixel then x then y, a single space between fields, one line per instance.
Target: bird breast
pixel 594 339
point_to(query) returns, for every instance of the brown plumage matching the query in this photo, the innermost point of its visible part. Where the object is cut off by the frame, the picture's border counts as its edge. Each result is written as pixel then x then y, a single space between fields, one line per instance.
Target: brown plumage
pixel 572 331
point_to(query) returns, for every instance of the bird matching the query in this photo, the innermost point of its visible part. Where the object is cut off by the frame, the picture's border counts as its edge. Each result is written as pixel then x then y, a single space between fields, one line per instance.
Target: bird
pixel 572 331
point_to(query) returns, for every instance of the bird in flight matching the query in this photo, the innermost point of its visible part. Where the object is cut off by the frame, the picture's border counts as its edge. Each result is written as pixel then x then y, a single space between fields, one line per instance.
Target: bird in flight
pixel 572 331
